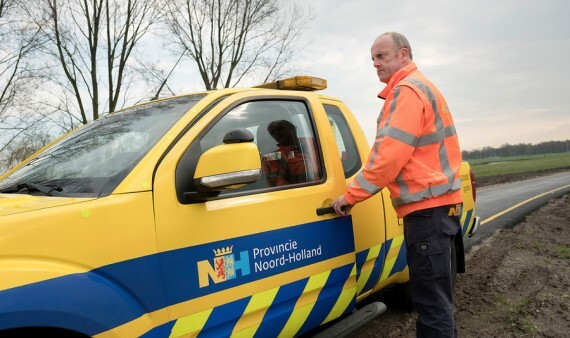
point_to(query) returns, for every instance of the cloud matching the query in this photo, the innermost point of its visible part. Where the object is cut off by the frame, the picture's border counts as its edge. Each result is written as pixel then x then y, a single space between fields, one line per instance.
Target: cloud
pixel 502 65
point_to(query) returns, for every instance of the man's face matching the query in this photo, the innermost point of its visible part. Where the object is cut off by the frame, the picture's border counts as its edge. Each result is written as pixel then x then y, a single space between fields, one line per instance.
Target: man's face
pixel 387 59
pixel 284 134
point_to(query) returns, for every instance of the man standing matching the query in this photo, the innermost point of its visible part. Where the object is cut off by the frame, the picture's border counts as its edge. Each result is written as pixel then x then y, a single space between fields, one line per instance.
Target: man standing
pixel 416 156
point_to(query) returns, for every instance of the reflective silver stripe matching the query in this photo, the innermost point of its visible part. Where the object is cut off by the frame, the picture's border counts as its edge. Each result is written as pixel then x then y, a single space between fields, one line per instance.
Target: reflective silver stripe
pixel 367 186
pixel 431 97
pixel 443 157
pixel 399 134
pixel 432 191
pixel 404 189
pixel 444 162
pixel 380 116
pixel 436 137
pixel 392 107
pixel 374 154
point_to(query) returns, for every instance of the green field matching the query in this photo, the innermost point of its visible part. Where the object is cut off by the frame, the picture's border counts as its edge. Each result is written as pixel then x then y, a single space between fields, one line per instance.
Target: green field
pixel 498 166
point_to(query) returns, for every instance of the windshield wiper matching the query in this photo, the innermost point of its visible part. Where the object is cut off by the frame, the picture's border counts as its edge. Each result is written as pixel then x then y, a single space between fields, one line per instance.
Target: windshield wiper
pixel 27 187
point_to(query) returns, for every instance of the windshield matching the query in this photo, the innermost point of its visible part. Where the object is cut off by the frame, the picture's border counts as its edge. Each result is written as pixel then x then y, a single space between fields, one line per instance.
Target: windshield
pixel 95 159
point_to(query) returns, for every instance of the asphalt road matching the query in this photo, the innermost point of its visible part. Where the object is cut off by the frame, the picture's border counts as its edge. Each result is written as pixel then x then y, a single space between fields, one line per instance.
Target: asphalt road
pixel 506 204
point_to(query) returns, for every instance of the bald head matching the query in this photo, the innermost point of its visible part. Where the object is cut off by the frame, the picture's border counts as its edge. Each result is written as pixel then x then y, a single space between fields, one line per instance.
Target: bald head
pixel 399 41
pixel 390 52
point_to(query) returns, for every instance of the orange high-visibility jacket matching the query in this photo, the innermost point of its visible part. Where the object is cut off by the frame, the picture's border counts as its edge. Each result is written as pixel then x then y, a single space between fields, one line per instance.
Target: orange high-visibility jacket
pixel 416 152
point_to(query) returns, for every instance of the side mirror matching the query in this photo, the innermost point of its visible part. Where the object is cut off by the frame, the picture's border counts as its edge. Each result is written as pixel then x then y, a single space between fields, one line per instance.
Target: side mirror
pixel 227 166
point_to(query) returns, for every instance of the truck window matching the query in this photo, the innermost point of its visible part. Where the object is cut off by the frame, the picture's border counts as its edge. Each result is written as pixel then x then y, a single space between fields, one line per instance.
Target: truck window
pixel 344 141
pixel 93 160
pixel 284 135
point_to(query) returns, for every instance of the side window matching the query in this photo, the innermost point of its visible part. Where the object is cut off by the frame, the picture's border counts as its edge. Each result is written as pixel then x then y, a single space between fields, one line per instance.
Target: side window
pixel 284 136
pixel 345 142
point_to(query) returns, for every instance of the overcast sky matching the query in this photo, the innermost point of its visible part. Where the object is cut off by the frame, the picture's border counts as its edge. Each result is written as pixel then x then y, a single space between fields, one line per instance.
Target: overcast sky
pixel 503 66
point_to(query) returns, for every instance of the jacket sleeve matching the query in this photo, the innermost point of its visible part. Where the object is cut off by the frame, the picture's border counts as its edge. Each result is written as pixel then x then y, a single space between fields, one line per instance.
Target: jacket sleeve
pixel 393 147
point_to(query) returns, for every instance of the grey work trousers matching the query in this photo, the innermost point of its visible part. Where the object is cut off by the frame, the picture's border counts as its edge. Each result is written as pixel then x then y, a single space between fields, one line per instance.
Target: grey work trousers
pixel 429 234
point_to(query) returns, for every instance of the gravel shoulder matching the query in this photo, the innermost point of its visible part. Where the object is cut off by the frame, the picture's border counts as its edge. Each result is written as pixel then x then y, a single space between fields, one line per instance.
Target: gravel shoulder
pixel 517 283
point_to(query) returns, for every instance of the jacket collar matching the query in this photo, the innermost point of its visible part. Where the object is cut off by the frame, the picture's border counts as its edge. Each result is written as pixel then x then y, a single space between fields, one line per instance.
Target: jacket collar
pixel 397 77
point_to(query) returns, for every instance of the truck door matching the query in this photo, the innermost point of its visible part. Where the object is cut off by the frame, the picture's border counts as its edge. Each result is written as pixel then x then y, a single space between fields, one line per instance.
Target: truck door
pixel 380 255
pixel 257 259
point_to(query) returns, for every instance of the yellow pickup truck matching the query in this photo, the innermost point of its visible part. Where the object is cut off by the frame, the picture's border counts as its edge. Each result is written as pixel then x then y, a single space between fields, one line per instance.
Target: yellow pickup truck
pixel 185 217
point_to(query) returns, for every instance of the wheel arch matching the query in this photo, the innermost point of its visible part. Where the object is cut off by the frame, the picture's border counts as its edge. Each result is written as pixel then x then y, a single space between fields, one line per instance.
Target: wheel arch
pixel 77 304
pixel 40 331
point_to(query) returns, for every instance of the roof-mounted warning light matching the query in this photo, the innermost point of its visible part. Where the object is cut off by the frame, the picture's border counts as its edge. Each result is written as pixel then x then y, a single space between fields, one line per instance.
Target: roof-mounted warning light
pixel 307 83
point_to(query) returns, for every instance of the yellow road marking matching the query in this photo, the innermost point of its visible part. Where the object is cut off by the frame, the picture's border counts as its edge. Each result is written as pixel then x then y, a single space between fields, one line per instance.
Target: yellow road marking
pixel 521 203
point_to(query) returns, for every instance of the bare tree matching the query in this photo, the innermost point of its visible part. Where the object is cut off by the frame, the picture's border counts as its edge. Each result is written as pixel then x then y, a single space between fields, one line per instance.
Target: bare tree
pixel 136 18
pixel 231 39
pixel 92 45
pixel 18 42
pixel 21 148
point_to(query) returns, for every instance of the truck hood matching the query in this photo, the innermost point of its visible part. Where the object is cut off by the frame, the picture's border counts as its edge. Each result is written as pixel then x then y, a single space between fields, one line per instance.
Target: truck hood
pixel 17 203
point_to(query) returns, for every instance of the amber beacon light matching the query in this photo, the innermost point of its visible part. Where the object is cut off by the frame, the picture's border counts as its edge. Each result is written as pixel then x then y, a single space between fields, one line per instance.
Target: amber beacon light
pixel 306 83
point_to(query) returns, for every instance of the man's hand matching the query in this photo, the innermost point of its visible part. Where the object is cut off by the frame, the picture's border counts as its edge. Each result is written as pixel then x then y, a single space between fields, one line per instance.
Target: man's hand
pixel 341 206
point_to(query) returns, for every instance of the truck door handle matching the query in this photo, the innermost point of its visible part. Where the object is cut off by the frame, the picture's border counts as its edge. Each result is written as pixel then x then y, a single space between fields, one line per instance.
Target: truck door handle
pixel 325 210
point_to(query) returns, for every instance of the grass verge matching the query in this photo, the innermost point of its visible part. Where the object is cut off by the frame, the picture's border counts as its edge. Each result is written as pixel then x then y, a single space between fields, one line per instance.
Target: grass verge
pixel 516 165
pixel 508 169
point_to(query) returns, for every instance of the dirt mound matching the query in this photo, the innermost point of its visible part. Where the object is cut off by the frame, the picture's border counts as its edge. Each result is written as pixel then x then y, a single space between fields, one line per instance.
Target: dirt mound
pixel 517 283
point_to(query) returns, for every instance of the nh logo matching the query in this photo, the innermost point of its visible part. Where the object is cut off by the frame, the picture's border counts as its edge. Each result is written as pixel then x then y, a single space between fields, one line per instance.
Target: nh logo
pixel 455 210
pixel 224 267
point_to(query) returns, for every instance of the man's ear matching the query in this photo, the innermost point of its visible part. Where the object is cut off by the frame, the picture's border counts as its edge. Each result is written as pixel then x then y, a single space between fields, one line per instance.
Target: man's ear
pixel 405 53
